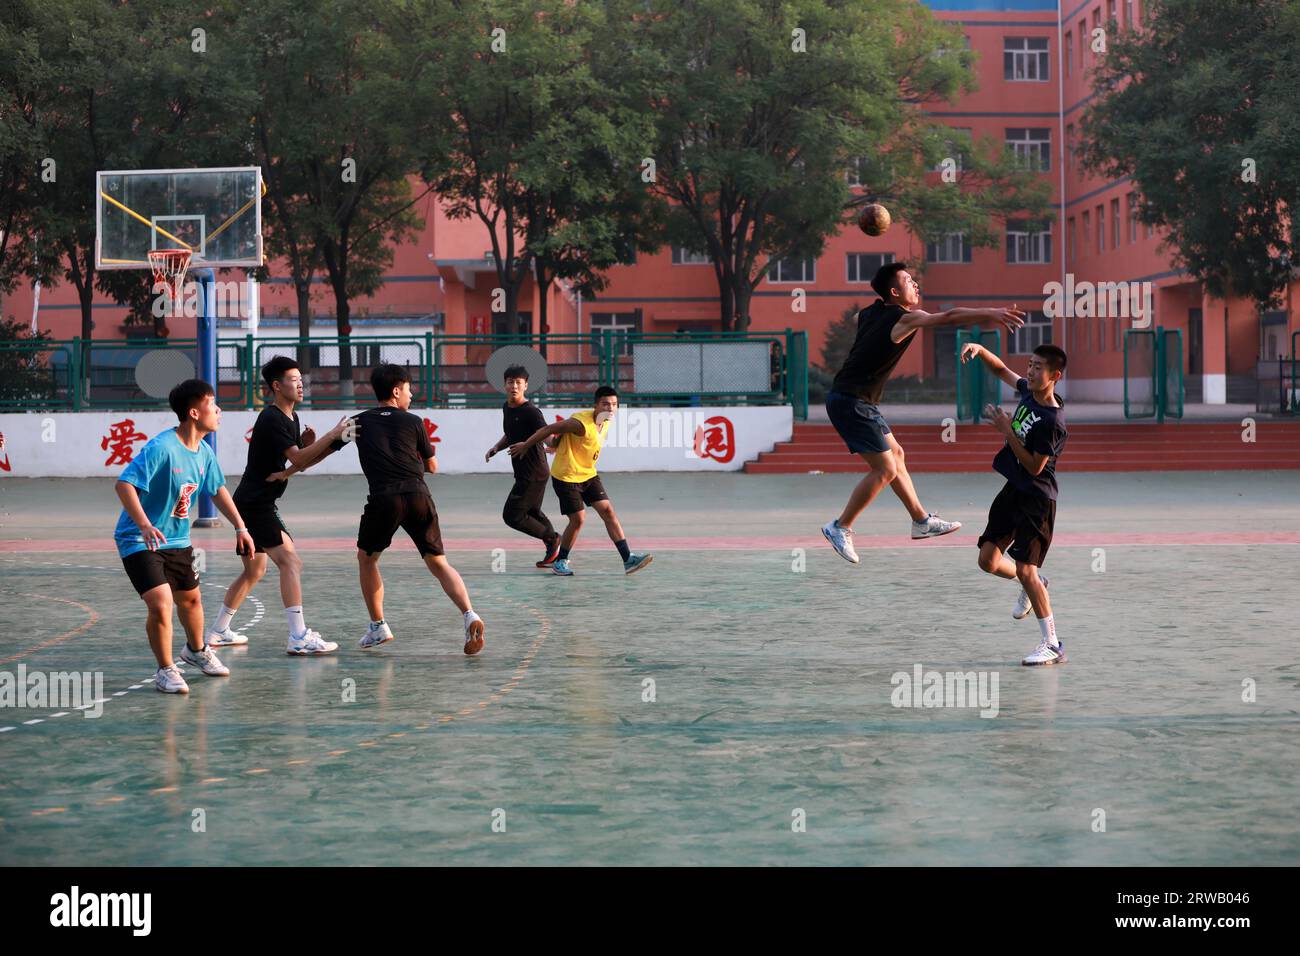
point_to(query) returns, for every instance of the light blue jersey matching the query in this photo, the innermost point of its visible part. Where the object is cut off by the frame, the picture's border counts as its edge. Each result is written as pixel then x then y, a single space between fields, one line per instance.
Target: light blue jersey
pixel 168 477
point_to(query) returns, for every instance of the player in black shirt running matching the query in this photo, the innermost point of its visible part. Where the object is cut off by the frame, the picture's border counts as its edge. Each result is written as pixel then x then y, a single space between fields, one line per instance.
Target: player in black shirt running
pixel 1023 514
pixel 395 454
pixel 523 509
pixel 885 330
pixel 277 435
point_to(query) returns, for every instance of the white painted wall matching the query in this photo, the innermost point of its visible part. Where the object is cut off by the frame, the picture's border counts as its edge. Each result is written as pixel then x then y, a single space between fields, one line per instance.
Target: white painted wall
pixel 72 444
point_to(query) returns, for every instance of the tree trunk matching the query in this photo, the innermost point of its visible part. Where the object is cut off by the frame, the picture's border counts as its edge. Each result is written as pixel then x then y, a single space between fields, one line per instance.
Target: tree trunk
pixel 743 294
pixel 344 312
pixel 303 292
pixel 544 279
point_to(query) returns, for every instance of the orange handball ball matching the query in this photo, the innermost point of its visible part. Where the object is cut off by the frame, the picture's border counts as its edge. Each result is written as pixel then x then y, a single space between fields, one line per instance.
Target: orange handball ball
pixel 874 219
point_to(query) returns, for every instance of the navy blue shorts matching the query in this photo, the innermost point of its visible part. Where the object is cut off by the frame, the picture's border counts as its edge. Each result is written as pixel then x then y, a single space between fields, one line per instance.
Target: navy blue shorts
pixel 859 423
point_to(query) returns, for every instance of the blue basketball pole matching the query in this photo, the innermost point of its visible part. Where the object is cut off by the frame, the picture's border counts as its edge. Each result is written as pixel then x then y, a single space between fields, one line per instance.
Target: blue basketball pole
pixel 207 336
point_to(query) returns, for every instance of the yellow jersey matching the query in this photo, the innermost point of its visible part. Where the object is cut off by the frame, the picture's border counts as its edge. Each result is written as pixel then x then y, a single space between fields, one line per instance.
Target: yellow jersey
pixel 575 458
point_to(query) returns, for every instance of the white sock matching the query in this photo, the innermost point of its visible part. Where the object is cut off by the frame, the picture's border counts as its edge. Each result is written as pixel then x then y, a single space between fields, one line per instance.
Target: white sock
pixel 376 625
pixel 471 617
pixel 1048 627
pixel 223 619
pixel 297 623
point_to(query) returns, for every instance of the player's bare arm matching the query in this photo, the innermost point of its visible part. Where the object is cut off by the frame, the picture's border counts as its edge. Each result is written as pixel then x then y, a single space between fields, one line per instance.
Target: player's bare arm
pixel 431 465
pixel 300 459
pixel 226 505
pixel 994 364
pixel 1009 319
pixel 999 419
pixel 501 443
pixel 130 498
pixel 570 426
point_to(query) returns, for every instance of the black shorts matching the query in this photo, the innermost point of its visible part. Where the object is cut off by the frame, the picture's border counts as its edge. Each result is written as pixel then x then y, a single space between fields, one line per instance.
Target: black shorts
pixel 174 566
pixel 1022 520
pixel 264 524
pixel 859 423
pixel 413 512
pixel 577 495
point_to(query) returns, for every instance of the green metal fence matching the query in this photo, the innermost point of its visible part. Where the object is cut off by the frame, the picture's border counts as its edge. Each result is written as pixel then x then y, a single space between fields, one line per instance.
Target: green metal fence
pixel 1153 373
pixel 976 387
pixel 1291 401
pixel 748 368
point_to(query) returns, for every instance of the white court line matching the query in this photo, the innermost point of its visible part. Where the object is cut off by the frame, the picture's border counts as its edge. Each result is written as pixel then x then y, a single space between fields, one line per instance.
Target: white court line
pixel 3 729
pixel 38 720
pixel 62 713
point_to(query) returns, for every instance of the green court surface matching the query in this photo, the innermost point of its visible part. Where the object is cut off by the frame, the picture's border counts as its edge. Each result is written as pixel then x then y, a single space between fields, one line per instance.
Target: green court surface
pixel 772 663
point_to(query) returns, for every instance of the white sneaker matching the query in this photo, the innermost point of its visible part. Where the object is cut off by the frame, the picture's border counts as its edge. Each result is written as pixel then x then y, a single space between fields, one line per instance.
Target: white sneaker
pixel 227 638
pixel 933 526
pixel 841 539
pixel 205 660
pixel 169 681
pixel 473 634
pixel 310 643
pixel 1023 604
pixel 377 636
pixel 1046 653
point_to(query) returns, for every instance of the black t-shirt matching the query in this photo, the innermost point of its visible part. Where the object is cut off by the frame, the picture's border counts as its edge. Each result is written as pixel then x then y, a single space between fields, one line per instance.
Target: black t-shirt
pixel 874 354
pixel 392 445
pixel 273 433
pixel 519 424
pixel 1042 432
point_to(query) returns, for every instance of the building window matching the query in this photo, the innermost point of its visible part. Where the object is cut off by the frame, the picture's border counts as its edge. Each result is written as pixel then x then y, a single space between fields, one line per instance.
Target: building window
pixel 853 175
pixel 1112 13
pixel 624 325
pixel 1069 54
pixel 1132 218
pixel 952 248
pixel 1026 245
pixel 1114 338
pixel 1071 245
pixel 1114 223
pixel 1087 227
pixel 684 257
pixel 1033 147
pixel 1036 331
pixel 1101 229
pixel 1025 59
pixel 1128 4
pixel 1083 42
pixel 793 270
pixel 1151 230
pixel 1101 334
pixel 1069 146
pixel 862 266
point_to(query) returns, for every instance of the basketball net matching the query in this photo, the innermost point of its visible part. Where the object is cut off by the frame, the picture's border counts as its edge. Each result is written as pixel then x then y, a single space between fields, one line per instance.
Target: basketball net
pixel 169 267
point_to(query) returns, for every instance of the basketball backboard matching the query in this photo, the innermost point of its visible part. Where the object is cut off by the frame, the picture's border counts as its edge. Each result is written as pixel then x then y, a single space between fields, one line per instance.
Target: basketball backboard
pixel 215 213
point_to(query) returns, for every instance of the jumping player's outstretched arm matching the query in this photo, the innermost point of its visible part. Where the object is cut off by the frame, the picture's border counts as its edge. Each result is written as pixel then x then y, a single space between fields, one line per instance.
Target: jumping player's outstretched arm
pixel 570 426
pixel 995 365
pixel 1010 319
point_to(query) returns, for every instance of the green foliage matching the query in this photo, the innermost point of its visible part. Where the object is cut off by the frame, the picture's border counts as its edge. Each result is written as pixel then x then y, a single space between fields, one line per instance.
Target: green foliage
pixel 1205 87
pixel 25 373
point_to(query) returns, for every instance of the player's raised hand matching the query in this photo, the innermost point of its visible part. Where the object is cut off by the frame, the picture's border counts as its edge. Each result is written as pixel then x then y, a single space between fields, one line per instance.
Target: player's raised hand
pixel 308 436
pixel 153 538
pixel 1010 319
pixel 970 350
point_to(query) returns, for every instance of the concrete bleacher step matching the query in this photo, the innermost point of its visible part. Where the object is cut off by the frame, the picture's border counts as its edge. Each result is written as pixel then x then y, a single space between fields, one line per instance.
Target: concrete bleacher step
pixel 1174 446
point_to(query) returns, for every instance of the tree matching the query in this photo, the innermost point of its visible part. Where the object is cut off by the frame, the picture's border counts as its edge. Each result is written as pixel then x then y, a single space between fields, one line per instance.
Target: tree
pixel 25 373
pixel 545 127
pixel 763 105
pixel 22 75
pixel 1199 109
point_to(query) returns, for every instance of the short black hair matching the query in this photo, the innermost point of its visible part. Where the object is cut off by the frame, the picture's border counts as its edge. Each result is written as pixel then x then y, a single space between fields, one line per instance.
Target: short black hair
pixel 387 377
pixel 275 369
pixel 516 371
pixel 1053 357
pixel 885 278
pixel 603 391
pixel 186 395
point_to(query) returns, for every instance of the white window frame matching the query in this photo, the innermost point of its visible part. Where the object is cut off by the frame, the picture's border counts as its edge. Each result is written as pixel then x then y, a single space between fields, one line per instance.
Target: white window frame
pixel 684 257
pixel 852 257
pixel 1024 56
pixel 1022 244
pixel 1033 152
pixel 953 249
pixel 778 267
pixel 1036 331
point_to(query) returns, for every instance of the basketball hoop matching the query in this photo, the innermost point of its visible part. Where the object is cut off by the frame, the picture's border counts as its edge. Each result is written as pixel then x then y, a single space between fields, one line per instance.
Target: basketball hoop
pixel 169 267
